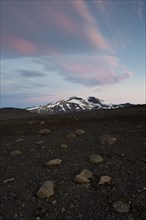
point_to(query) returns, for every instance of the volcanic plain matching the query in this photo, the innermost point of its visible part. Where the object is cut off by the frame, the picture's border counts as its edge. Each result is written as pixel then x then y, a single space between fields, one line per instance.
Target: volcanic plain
pixel 115 185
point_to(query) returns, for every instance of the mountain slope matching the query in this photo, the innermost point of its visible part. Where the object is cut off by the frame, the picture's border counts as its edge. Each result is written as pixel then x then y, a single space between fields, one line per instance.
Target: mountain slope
pixel 76 104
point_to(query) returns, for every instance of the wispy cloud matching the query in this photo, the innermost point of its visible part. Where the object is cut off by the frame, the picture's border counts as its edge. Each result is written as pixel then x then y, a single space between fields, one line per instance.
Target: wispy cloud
pixel 90 27
pixel 22 46
pixel 92 70
pixel 30 73
pixel 140 9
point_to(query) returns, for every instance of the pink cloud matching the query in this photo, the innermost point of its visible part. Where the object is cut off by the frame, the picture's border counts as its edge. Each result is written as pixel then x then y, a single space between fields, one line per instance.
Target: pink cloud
pixel 109 60
pixel 92 32
pixel 93 70
pixel 66 23
pixel 22 46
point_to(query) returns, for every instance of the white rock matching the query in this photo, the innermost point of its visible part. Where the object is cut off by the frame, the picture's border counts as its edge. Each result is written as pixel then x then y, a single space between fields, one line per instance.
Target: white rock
pixel 9 180
pixel 121 207
pixel 31 122
pixel 46 190
pixel 107 140
pixel 94 158
pixel 63 210
pixel 19 140
pixel 54 162
pixel 79 131
pixel 15 152
pixel 44 131
pixel 83 177
pixel 104 179
pixel 42 123
pixel 71 135
pixel 64 146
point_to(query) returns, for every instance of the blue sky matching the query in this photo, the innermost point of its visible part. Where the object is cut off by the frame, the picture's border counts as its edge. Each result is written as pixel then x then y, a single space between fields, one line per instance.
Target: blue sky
pixel 52 50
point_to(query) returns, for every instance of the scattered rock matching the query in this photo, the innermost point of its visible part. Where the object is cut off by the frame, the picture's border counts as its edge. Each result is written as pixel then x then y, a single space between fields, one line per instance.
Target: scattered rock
pixel 71 206
pixel 121 207
pixel 19 140
pixel 79 131
pixel 107 140
pixel 63 210
pixel 46 190
pixel 39 142
pixel 54 202
pixel 64 146
pixel 94 158
pixel 104 179
pixel 15 152
pixel 84 177
pixel 38 218
pixel 44 131
pixel 31 122
pixel 42 123
pixel 43 147
pixel 71 135
pixel 9 180
pixel 54 162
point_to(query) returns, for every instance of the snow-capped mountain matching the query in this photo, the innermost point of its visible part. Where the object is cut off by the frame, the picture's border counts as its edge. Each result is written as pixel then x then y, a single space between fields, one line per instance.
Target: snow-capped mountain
pixel 75 104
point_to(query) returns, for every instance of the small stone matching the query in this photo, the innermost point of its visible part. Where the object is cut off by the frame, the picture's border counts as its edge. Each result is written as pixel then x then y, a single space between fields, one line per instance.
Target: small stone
pixel 80 216
pixel 64 146
pixel 71 206
pixel 104 179
pixel 121 207
pixel 107 140
pixel 63 210
pixel 54 202
pixel 9 180
pixel 130 217
pixel 71 135
pixel 15 152
pixel 43 147
pixel 44 131
pixel 42 123
pixel 84 177
pixel 19 140
pixel 79 131
pixel 54 162
pixel 31 122
pixel 94 158
pixel 46 190
pixel 38 218
pixel 39 142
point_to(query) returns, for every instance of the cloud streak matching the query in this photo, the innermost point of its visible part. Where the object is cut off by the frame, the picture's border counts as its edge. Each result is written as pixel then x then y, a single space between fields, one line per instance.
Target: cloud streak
pixel 31 74
pixel 90 27
pixel 48 30
pixel 93 70
pixel 140 9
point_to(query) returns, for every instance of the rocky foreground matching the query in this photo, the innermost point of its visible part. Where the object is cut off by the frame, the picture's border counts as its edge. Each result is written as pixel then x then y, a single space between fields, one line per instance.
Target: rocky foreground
pixel 89 165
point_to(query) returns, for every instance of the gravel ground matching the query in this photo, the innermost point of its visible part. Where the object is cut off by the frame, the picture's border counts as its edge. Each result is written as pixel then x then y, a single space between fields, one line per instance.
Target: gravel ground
pixel 24 153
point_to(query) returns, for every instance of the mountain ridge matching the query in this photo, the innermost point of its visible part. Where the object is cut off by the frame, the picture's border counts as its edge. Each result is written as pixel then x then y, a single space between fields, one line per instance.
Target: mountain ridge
pixel 74 104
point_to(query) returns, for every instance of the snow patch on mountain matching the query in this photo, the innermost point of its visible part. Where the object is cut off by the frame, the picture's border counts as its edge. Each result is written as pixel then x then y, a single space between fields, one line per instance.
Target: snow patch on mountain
pixel 76 104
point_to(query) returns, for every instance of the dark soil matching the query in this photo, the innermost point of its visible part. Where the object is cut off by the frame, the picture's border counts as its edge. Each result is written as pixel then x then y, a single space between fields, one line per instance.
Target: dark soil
pixel 124 162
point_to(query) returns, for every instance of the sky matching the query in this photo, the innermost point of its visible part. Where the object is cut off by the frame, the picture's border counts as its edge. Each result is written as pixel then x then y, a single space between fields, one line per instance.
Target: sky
pixel 54 49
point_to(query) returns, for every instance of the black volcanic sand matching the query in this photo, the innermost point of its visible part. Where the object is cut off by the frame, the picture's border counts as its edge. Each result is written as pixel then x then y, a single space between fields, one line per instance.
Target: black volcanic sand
pixel 124 162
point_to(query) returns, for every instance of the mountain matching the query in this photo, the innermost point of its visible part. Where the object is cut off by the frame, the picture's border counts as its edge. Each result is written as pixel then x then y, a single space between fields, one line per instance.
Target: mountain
pixel 76 104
